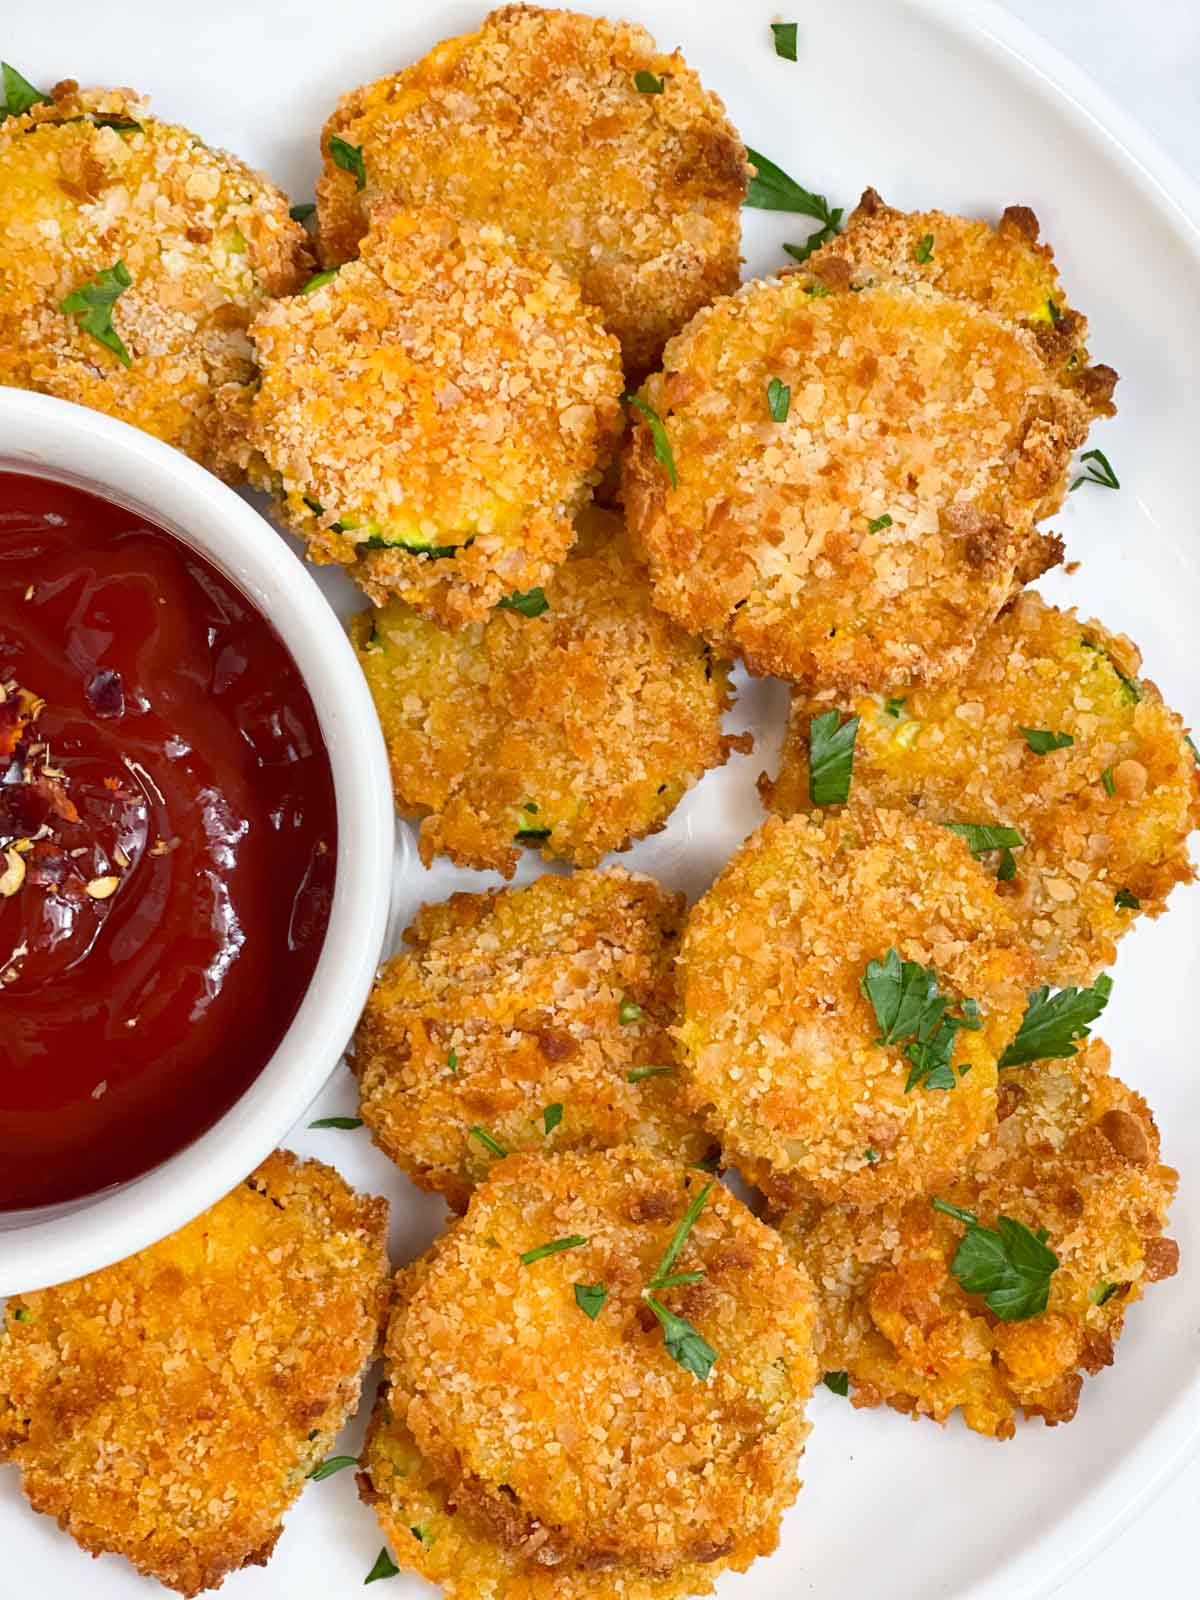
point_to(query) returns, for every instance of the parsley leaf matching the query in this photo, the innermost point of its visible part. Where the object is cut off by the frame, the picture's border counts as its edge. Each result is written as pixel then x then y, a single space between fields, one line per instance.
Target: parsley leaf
pixel 772 190
pixel 679 1238
pixel 779 398
pixel 541 1251
pixel 647 83
pixel 831 758
pixel 910 1011
pixel 662 444
pixel 1133 692
pixel 1053 310
pixel 894 704
pixel 530 604
pixel 877 524
pixel 350 158
pixel 1050 1027
pixel 19 94
pixel 1101 1293
pixel 492 1145
pixel 318 281
pixel 337 1122
pixel 984 836
pixel 1041 741
pixel 551 1117
pixel 384 1567
pixel 452 1061
pixel 92 303
pixel 1126 900
pixel 530 835
pixel 924 250
pixel 785 39
pixel 801 252
pixel 684 1344
pixel 629 1011
pixel 1099 470
pixel 838 1382
pixel 326 1469
pixel 1009 1265
pixel 302 213
pixel 1109 782
pixel 590 1297
pixel 639 1073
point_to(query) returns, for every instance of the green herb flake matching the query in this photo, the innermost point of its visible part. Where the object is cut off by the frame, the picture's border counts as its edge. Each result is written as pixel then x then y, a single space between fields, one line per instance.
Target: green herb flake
pixel 302 213
pixel 1041 741
pixel 894 705
pixel 326 1469
pixel 92 305
pixel 539 1253
pixel 779 398
pixel 831 758
pixel 817 289
pixel 838 1382
pixel 629 1012
pixel 877 524
pixel 684 1345
pixel 21 1314
pixel 1006 871
pixel 909 1011
pixel 1051 1026
pixel 1101 1293
pixel 801 252
pixel 384 1567
pixel 590 1298
pixel 1099 471
pixel 1126 900
pixel 350 158
pixel 785 39
pixel 772 190
pixel 1053 310
pixel 318 281
pixel 662 444
pixel 551 1117
pixel 924 250
pixel 530 835
pixel 532 603
pixel 452 1061
pixel 984 836
pixel 337 1122
pixel 20 95
pixel 493 1146
pixel 870 1156
pixel 1009 1265
pixel 639 1073
pixel 1191 744
pixel 1106 778
pixel 1129 685
pixel 646 83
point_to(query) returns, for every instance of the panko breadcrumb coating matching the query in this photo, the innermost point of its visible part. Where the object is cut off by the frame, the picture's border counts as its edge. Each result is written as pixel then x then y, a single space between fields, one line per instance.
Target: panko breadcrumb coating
pixel 1105 818
pixel 575 730
pixel 782 1045
pixel 1004 269
pixel 525 1448
pixel 168 1408
pixel 517 1000
pixel 434 413
pixel 876 529
pixel 92 180
pixel 1077 1154
pixel 537 122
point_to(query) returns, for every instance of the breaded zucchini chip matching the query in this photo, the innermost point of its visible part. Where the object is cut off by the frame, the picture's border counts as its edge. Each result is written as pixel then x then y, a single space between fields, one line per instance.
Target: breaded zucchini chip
pixel 132 260
pixel 1050 732
pixel 434 414
pixel 846 990
pixel 1076 1154
pixel 580 137
pixel 573 720
pixel 842 486
pixel 168 1408
pixel 1003 269
pixel 562 1421
pixel 527 1019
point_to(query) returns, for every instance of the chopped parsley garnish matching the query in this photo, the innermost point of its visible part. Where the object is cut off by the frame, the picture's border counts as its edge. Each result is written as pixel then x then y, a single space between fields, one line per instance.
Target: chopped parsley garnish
pixel 19 94
pixel 877 524
pixel 894 704
pixel 318 281
pixel 779 398
pixel 831 758
pixel 662 445
pixel 785 39
pixel 1051 1026
pixel 801 252
pixel 817 289
pixel 1126 900
pixel 92 304
pixel 492 1145
pixel 530 835
pixel 1130 685
pixel 551 1117
pixel 1041 741
pixel 1053 310
pixel 684 1344
pixel 647 83
pixel 1009 1265
pixel 337 1122
pixel 924 250
pixel 772 190
pixel 21 1314
pixel 590 1298
pixel 838 1382
pixel 639 1073
pixel 326 1469
pixel 1099 470
pixel 910 1011
pixel 384 1567
pixel 555 1246
pixel 350 158
pixel 302 213
pixel 452 1061
pixel 1107 779
pixel 530 604
pixel 1191 744
pixel 1101 1293
pixel 984 836
pixel 629 1012
pixel 870 1156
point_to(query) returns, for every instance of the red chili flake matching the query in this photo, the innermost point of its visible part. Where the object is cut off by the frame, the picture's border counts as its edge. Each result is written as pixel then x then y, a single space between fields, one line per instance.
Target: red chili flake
pixel 106 694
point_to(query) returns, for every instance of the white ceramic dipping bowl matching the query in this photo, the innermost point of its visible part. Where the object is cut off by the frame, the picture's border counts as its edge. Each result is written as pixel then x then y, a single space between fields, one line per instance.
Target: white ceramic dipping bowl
pixel 54 439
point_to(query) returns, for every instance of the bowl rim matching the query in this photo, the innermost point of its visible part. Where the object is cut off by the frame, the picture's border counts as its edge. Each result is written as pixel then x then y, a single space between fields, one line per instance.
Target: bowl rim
pixel 48 437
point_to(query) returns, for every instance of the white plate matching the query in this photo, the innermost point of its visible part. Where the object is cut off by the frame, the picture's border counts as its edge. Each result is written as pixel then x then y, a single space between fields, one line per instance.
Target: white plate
pixel 936 104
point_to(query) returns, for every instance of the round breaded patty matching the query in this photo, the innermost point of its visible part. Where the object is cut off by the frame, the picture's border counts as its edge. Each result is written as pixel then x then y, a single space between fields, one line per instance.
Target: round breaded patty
pixel 871 522
pixel 1077 1154
pixel 1004 269
pixel 1105 816
pixel 784 1049
pixel 573 726
pixel 93 190
pixel 527 1019
pixel 538 121
pixel 563 1428
pixel 434 414
pixel 168 1408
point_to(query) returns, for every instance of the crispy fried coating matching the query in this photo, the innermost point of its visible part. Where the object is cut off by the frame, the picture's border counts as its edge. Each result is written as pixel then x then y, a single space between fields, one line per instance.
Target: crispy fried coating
pixel 537 121
pixel 167 1408
pixel 781 1043
pixel 92 180
pixel 1076 1153
pixel 1105 818
pixel 536 1450
pixel 1004 268
pixel 512 1001
pixel 878 528
pixel 574 731
pixel 434 414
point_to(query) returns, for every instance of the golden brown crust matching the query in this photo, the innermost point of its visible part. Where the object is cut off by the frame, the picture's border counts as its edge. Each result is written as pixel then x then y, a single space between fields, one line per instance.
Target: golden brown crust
pixel 591 720
pixel 511 1001
pixel 205 240
pixel 167 1408
pixel 536 119
pixel 780 1042
pixel 958 754
pixel 1076 1152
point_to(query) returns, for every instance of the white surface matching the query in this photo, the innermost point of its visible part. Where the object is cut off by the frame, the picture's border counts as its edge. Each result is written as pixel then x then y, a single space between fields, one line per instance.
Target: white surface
pixel 40 434
pixel 886 94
